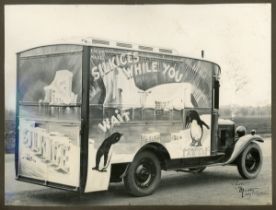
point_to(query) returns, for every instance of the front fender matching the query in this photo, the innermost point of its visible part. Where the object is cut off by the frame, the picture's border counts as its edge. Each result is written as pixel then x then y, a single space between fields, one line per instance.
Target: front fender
pixel 241 144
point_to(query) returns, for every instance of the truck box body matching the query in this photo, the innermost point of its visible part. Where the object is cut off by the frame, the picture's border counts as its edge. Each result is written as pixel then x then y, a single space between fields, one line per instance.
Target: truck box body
pixel 72 101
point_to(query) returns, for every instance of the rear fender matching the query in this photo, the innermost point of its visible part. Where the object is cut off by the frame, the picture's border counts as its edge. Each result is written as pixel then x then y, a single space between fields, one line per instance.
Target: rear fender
pixel 158 149
pixel 241 144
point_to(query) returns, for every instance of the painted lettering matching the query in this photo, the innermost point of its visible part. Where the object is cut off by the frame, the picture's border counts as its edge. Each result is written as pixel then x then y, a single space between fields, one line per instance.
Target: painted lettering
pixel 126 116
pixel 171 72
pixel 196 152
pixel 105 125
pixel 52 148
pixel 114 120
pixel 154 66
pixel 123 60
pixel 166 68
pixel 119 116
pixel 129 58
pixel 64 159
pixel 137 69
pixel 112 63
pixel 127 71
pixel 178 76
pixel 135 57
pixel 116 62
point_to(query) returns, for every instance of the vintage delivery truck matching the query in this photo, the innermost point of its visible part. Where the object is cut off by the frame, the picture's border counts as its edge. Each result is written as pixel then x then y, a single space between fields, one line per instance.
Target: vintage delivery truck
pixel 95 111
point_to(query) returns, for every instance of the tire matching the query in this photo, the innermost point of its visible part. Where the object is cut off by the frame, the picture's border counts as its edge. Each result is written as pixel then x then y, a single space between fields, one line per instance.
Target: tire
pixel 197 170
pixel 143 175
pixel 250 161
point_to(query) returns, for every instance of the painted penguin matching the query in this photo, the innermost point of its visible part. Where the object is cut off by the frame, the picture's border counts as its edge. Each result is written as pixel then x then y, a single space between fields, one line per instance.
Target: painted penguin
pixel 104 149
pixel 196 127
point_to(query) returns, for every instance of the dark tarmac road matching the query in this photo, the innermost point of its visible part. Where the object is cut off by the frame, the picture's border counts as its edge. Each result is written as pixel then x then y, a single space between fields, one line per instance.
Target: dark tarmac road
pixel 220 185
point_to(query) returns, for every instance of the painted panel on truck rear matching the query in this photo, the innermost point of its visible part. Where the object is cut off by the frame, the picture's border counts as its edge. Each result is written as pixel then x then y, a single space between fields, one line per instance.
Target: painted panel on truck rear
pixel 137 98
pixel 49 96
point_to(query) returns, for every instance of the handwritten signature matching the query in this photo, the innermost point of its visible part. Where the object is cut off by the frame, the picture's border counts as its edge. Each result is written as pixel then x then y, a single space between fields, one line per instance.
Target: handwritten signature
pixel 247 191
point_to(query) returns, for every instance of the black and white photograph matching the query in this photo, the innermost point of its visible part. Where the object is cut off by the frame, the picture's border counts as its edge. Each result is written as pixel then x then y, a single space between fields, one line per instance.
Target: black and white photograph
pixel 130 105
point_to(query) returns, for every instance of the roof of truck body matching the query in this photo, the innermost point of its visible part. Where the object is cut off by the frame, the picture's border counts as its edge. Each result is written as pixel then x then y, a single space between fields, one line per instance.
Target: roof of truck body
pixel 118 45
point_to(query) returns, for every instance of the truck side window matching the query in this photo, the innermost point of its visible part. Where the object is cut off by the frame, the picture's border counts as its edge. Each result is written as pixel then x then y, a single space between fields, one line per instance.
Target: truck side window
pixel 223 136
pixel 216 101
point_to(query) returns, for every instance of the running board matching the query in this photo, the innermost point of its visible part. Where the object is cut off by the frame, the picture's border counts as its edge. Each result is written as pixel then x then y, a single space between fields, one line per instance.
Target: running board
pixel 182 164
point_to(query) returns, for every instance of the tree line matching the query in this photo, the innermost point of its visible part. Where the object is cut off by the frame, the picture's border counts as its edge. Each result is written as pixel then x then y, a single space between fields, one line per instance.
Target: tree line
pixel 245 111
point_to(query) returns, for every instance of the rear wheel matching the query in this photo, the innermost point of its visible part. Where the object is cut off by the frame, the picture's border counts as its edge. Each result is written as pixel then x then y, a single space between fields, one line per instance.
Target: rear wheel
pixel 143 175
pixel 250 161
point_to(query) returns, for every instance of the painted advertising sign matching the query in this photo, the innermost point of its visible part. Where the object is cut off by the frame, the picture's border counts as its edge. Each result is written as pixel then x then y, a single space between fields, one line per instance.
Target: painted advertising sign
pixel 146 98
pixel 59 92
pixel 48 156
pixel 140 72
pixel 49 114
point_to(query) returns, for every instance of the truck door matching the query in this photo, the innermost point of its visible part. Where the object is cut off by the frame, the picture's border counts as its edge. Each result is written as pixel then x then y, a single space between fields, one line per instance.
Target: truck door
pixel 98 164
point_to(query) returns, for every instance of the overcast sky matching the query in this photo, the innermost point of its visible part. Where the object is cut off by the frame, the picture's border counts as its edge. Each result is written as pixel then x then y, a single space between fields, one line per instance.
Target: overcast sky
pixel 236 36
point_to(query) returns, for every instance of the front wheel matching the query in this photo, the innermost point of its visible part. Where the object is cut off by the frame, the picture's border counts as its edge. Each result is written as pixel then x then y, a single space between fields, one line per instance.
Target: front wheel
pixel 143 175
pixel 250 161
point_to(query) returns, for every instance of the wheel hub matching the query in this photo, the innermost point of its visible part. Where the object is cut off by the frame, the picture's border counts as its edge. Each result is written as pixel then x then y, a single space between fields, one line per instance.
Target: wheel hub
pixel 144 174
pixel 252 160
